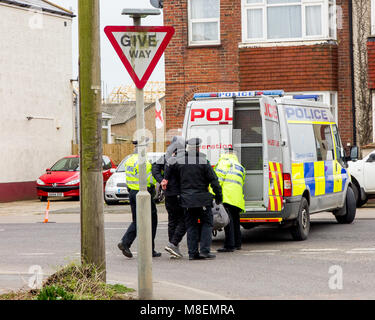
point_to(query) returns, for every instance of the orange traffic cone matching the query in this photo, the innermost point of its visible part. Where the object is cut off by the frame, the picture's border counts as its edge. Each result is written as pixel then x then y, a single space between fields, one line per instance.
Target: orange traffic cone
pixel 46 214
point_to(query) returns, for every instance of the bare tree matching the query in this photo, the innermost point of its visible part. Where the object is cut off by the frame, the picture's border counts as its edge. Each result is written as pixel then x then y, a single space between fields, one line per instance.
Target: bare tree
pixel 361 30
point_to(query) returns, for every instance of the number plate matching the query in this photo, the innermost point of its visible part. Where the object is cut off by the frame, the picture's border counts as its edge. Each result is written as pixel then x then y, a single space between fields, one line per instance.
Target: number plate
pixel 122 191
pixel 55 194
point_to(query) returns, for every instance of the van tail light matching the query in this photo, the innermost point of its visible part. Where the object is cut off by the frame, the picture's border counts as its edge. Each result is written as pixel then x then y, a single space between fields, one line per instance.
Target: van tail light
pixel 287 185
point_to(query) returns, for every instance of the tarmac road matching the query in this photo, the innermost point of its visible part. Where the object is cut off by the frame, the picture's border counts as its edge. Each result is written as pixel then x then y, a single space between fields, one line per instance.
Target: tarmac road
pixel 270 266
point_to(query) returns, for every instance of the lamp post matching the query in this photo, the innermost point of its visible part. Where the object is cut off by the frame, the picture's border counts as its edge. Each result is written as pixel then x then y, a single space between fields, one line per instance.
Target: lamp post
pixel 144 233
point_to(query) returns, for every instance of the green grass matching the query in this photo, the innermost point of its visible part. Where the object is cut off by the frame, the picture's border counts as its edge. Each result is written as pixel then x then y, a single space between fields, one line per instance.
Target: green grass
pixel 74 282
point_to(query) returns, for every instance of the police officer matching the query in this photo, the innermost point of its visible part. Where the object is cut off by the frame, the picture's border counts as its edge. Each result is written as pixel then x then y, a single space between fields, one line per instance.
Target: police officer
pixel 231 175
pixel 196 175
pixel 132 181
pixel 176 217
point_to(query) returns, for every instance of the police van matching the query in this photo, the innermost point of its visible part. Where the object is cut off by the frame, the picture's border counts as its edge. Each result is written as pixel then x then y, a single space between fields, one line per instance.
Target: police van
pixel 291 150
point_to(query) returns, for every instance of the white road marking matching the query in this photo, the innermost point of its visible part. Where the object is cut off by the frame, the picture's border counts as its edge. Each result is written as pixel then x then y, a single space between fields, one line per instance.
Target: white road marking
pixel 362 252
pixel 37 254
pixel 267 252
pixel 363 249
pixel 320 250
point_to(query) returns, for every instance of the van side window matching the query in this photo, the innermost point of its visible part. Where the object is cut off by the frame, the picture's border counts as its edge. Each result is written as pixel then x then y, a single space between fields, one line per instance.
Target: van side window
pixel 339 149
pixel 302 142
pixel 324 142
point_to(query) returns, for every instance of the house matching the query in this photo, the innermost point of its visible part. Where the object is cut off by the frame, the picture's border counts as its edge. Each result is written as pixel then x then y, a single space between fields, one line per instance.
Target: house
pixel 124 126
pixel 35 92
pixel 299 46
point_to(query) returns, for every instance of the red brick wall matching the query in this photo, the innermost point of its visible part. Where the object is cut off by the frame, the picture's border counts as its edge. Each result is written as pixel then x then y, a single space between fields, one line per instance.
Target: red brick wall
pixel 296 68
pixel 324 67
pixel 371 62
pixel 344 76
pixel 199 69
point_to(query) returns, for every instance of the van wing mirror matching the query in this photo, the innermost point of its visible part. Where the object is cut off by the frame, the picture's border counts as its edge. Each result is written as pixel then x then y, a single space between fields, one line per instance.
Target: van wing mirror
pixel 371 158
pixel 354 153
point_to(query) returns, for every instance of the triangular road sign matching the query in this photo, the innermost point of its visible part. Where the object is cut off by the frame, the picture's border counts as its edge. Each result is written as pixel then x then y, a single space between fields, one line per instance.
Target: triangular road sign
pixel 139 48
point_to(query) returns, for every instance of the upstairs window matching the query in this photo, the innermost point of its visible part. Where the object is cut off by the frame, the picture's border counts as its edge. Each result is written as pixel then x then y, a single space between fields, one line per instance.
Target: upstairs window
pixel 283 20
pixel 204 22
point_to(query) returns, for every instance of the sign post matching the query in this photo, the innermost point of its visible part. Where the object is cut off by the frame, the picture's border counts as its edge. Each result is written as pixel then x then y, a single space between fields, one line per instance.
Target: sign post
pixel 140 49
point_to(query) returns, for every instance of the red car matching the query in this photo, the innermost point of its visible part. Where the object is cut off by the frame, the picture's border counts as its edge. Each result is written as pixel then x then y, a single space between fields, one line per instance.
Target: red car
pixel 62 179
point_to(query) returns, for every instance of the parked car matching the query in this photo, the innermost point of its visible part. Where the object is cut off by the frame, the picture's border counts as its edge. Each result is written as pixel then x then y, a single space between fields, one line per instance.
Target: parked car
pixel 363 176
pixel 116 189
pixel 62 179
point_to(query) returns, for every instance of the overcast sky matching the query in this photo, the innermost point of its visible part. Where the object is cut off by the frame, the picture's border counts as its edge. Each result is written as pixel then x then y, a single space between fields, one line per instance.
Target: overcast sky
pixel 113 72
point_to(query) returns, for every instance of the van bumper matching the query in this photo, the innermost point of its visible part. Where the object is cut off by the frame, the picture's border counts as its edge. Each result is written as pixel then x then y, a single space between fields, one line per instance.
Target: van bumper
pixel 289 212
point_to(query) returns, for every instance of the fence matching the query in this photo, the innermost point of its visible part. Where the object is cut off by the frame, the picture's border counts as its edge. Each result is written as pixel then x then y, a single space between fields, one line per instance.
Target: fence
pixel 117 152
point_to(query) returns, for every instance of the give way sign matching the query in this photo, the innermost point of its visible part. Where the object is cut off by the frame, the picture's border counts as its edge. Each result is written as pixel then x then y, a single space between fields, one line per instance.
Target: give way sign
pixel 139 48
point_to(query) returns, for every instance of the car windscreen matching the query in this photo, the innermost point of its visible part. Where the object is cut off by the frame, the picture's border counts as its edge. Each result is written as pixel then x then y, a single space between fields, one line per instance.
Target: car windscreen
pixel 66 164
pixel 121 166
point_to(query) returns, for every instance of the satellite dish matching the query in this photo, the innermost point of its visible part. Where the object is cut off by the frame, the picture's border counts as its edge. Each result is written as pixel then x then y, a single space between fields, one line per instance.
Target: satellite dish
pixel 157 3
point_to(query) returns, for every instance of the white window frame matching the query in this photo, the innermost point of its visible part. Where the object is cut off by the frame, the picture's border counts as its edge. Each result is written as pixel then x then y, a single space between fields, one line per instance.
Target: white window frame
pixel 326 98
pixel 326 24
pixel 107 127
pixel 373 18
pixel 190 28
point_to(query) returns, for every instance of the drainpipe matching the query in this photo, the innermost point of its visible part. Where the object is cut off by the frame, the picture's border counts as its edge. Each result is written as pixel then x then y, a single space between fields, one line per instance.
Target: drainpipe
pixel 352 70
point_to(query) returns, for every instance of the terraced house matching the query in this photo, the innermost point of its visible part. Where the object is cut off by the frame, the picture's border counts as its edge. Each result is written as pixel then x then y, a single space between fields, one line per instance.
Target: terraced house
pixel 35 92
pixel 299 46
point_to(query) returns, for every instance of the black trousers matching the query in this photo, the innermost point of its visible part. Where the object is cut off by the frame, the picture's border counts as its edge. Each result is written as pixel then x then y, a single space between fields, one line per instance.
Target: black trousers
pixel 233 229
pixel 199 233
pixel 176 220
pixel 131 232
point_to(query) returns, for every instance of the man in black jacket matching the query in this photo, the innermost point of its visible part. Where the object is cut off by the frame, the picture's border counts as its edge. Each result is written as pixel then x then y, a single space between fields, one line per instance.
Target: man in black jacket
pixel 176 217
pixel 195 176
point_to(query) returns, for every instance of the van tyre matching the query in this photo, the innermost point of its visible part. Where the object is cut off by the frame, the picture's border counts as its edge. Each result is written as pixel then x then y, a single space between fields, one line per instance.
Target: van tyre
pixel 300 229
pixel 43 198
pixel 351 208
pixel 357 195
pixel 111 202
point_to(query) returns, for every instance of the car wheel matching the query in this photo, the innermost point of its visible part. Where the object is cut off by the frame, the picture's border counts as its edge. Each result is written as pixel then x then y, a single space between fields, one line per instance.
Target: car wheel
pixel 43 198
pixel 351 208
pixel 111 202
pixel 300 229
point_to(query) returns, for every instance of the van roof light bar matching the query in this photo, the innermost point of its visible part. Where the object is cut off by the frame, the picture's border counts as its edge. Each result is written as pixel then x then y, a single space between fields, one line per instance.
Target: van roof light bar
pixel 306 96
pixel 239 94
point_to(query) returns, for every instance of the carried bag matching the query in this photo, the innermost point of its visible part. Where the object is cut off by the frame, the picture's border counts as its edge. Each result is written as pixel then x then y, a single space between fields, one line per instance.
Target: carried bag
pixel 220 216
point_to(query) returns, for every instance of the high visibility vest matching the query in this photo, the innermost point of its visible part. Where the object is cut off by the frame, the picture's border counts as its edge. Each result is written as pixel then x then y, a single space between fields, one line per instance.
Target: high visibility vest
pixel 231 175
pixel 132 173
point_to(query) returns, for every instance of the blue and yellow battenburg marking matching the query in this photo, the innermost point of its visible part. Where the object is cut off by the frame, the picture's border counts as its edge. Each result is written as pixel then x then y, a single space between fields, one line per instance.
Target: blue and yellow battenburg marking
pixel 321 177
pixel 275 189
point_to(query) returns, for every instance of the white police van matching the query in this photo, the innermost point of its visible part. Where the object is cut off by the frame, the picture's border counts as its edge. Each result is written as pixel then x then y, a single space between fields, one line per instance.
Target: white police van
pixel 290 148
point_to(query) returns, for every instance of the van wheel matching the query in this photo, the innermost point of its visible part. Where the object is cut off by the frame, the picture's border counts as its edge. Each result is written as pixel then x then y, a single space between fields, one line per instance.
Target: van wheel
pixel 43 198
pixel 300 230
pixel 351 208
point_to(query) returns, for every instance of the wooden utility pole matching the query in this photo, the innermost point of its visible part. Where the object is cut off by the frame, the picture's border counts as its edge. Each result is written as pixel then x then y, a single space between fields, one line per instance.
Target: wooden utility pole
pixel 91 184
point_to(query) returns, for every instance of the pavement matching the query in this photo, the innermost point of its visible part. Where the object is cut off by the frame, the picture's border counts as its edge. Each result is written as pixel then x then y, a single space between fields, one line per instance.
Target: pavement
pixel 270 266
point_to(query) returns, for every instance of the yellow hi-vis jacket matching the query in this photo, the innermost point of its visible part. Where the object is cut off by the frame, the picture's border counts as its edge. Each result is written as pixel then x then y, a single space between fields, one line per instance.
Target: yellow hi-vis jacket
pixel 231 175
pixel 132 173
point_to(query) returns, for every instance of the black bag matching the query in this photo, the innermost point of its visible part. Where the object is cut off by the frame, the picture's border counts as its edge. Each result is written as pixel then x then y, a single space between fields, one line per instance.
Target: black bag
pixel 220 216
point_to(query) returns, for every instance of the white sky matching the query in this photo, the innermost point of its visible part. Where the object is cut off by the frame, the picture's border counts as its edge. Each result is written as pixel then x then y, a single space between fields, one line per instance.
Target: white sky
pixel 113 72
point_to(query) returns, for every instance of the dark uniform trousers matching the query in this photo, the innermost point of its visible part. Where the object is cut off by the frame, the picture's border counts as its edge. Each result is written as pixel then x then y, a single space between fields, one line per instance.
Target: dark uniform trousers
pixel 199 232
pixel 233 229
pixel 176 220
pixel 131 233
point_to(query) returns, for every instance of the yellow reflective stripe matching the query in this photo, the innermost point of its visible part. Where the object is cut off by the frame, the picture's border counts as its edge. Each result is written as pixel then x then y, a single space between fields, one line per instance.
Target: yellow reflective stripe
pixel 337 182
pixel 298 179
pixel 311 122
pixel 271 203
pixel 320 181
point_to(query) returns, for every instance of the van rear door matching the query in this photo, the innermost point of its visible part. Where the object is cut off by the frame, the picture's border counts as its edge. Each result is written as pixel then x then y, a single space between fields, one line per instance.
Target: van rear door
pixel 272 155
pixel 212 121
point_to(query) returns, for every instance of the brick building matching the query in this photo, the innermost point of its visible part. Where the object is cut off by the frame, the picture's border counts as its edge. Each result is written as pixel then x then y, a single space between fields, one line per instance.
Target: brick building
pixel 231 45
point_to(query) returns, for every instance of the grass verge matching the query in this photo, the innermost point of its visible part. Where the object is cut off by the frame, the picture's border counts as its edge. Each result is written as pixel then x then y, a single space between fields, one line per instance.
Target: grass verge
pixel 74 282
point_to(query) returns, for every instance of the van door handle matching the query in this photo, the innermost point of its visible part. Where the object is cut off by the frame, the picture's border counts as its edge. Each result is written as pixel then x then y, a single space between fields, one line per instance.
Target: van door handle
pixel 271 183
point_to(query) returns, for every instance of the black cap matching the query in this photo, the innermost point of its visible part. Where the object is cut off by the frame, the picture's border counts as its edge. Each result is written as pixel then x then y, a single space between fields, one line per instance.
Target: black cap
pixel 194 142
pixel 135 142
pixel 229 149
